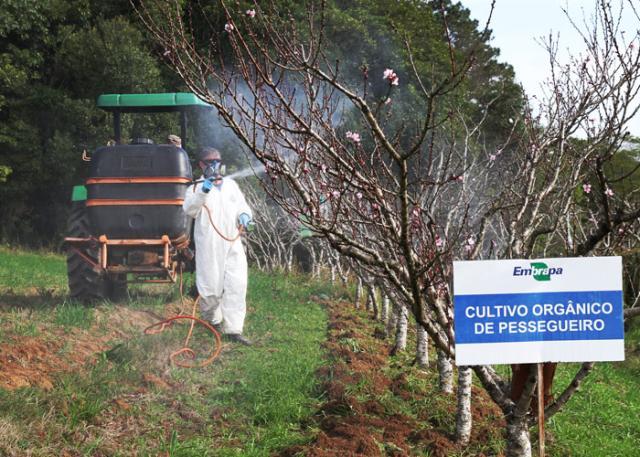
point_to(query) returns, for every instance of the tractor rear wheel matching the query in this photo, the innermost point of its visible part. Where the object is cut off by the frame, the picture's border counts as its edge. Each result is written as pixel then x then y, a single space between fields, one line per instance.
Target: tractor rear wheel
pixel 117 287
pixel 85 284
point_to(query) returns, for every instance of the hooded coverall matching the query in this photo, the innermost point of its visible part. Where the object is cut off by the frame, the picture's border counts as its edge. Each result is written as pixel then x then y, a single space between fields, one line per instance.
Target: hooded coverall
pixel 221 265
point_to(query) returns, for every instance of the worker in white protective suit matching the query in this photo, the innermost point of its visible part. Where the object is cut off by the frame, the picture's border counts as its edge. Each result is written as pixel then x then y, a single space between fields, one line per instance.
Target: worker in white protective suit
pixel 219 209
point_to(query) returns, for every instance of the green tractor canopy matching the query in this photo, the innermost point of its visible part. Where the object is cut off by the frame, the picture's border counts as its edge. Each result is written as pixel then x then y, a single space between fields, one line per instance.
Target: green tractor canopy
pixel 182 102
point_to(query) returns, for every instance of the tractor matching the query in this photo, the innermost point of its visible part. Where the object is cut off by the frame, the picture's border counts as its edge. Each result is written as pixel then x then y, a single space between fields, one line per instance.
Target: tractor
pixel 126 223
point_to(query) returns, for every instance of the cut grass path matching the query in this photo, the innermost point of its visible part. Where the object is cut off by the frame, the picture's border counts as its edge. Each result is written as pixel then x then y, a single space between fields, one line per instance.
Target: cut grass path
pixel 128 400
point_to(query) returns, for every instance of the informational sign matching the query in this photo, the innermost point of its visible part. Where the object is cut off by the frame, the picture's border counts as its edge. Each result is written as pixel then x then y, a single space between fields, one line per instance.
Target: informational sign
pixel 544 310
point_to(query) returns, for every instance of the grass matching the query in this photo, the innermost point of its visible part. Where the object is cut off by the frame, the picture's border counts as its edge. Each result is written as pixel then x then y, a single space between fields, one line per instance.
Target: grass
pixel 604 414
pixel 41 272
pixel 601 419
pixel 130 401
pixel 250 402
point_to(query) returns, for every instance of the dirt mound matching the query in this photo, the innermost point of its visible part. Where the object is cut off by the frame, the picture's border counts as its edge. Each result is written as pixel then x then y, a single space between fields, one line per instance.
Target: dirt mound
pixel 352 427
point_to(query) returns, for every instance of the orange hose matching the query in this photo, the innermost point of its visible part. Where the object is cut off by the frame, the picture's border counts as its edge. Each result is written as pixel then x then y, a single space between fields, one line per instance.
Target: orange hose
pixel 218 231
pixel 216 228
pixel 186 351
pixel 190 353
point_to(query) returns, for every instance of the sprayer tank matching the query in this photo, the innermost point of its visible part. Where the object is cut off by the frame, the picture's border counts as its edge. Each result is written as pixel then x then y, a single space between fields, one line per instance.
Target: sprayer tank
pixel 136 191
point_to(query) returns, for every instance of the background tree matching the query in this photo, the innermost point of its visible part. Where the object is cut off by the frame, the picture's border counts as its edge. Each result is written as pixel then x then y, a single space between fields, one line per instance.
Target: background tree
pixel 406 195
pixel 56 57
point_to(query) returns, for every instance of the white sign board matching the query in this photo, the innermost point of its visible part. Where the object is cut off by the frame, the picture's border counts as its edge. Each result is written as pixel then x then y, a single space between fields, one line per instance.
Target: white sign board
pixel 545 310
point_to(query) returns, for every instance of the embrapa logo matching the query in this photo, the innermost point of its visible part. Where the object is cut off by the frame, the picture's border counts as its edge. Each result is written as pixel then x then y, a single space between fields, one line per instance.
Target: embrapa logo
pixel 539 270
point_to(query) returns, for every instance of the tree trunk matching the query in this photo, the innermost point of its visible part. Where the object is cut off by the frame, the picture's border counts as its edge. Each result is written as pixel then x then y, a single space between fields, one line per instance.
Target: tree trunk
pixel 369 302
pixel 392 323
pixel 518 439
pixel 401 330
pixel 422 347
pixel 358 292
pixel 375 309
pixel 463 414
pixel 385 309
pixel 290 261
pixel 445 373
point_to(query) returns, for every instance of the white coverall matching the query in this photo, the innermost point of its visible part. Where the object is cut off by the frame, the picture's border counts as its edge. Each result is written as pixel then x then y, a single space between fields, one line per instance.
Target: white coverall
pixel 221 265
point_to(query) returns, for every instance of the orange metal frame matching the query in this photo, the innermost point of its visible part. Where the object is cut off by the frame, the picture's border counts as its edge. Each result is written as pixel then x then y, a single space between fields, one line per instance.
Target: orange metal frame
pixel 167 269
pixel 118 202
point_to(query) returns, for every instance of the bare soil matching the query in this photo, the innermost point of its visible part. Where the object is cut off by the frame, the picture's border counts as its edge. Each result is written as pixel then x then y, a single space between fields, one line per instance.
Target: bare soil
pixel 37 361
pixel 362 427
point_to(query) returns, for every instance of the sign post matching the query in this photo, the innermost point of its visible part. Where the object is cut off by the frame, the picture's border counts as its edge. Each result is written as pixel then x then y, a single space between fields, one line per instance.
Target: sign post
pixel 540 386
pixel 534 311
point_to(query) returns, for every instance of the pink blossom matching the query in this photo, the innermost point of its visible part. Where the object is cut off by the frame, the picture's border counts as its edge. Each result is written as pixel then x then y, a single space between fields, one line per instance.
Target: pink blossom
pixel 458 178
pixel 323 167
pixel 391 76
pixel 228 27
pixel 439 242
pixel 608 192
pixel 359 195
pixel 469 244
pixel 251 13
pixel 335 193
pixel 492 157
pixel 586 188
pixel 353 136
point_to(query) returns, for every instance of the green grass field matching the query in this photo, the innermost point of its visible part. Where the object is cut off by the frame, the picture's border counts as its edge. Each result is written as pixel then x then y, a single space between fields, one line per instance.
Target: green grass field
pixel 118 395
pixel 602 418
pixel 129 400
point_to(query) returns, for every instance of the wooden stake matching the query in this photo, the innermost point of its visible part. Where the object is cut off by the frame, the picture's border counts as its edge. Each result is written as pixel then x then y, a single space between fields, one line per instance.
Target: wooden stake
pixel 540 411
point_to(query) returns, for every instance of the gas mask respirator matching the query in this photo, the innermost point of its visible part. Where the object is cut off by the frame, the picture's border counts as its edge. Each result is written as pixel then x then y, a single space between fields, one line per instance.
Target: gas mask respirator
pixel 215 169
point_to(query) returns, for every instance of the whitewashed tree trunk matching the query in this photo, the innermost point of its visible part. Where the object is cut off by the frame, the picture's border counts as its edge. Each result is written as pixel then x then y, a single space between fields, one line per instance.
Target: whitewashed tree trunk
pixel 375 308
pixel 445 373
pixel 518 438
pixel 369 306
pixel 290 261
pixel 463 413
pixel 385 309
pixel 401 330
pixel 392 323
pixel 422 347
pixel 358 292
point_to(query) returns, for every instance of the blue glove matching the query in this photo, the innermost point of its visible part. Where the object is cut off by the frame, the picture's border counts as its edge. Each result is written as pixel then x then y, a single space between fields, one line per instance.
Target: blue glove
pixel 244 219
pixel 207 185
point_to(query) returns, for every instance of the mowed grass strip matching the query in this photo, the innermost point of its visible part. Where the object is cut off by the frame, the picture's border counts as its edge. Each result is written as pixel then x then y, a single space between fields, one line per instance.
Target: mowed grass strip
pixel 128 400
pixel 34 271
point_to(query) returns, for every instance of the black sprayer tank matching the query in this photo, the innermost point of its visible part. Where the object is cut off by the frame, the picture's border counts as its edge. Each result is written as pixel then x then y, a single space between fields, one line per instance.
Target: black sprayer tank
pixel 136 191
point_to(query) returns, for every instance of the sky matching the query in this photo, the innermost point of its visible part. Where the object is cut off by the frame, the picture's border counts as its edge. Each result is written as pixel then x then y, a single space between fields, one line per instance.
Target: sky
pixel 517 24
